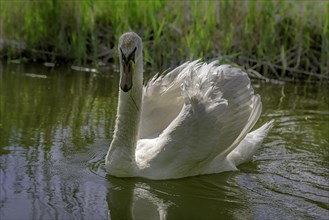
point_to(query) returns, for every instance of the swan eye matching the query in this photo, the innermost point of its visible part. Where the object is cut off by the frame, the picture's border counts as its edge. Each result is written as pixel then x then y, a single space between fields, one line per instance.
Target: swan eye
pixel 131 56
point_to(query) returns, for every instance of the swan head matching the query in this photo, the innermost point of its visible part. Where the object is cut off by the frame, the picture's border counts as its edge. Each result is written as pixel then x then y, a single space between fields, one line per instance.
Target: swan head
pixel 130 52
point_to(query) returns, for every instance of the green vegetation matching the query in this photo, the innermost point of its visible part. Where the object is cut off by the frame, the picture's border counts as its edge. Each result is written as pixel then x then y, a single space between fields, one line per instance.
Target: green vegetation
pixel 279 39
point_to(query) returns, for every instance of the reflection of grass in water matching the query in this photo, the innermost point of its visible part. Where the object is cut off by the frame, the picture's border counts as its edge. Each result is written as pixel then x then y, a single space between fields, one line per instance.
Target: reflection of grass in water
pixel 49 111
pixel 277 37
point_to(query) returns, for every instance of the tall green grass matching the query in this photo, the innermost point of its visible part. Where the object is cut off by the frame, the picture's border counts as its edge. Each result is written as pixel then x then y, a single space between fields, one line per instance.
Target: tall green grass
pixel 281 39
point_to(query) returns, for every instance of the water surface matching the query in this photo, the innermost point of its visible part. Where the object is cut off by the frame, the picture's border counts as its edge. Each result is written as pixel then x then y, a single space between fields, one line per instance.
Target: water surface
pixel 56 126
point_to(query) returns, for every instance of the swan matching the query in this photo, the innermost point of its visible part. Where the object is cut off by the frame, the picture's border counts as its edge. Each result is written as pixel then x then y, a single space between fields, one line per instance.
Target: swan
pixel 193 120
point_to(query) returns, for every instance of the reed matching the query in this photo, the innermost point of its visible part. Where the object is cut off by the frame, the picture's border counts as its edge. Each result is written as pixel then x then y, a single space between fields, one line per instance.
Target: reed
pixel 279 39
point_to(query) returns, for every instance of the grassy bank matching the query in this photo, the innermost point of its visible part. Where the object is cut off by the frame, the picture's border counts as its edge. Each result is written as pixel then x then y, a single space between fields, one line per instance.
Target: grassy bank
pixel 279 39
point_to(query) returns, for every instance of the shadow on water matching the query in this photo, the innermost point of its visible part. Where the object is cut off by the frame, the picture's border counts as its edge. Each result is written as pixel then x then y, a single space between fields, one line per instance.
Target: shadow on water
pixel 56 126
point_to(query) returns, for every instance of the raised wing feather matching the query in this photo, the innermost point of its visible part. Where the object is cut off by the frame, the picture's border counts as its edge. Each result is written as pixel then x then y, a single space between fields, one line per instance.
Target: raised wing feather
pixel 162 100
pixel 219 108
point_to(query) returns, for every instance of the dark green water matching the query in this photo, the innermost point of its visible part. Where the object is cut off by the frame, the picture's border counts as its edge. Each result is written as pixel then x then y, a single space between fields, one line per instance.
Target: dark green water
pixel 55 131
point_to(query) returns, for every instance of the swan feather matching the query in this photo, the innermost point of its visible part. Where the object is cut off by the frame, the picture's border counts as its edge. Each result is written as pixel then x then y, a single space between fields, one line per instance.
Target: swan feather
pixel 217 108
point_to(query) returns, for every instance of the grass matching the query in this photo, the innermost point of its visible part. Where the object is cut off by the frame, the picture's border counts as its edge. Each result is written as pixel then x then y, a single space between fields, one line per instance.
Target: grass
pixel 279 39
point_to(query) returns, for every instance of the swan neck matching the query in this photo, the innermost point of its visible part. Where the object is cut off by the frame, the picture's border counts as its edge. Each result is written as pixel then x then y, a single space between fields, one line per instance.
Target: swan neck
pixel 127 121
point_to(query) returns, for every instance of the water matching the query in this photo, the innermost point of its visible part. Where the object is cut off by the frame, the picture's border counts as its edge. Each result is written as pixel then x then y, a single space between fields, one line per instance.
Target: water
pixel 56 126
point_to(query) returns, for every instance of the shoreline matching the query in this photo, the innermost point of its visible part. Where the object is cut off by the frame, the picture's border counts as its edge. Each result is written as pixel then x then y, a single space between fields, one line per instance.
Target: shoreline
pixel 278 40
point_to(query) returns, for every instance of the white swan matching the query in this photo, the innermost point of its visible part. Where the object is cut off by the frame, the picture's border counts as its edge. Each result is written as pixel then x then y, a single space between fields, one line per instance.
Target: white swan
pixel 193 120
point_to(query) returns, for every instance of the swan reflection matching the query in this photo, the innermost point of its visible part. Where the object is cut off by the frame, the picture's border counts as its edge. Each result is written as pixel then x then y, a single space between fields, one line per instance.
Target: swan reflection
pixel 189 198
pixel 135 200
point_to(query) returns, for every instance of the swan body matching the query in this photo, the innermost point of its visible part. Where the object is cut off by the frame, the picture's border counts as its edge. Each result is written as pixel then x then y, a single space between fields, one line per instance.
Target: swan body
pixel 190 121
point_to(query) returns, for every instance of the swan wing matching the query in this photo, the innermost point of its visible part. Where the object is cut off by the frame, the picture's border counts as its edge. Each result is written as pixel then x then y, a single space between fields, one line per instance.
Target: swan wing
pixel 219 109
pixel 162 100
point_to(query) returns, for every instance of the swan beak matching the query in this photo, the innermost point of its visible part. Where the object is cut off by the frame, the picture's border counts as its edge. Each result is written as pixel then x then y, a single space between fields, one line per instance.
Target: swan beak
pixel 126 81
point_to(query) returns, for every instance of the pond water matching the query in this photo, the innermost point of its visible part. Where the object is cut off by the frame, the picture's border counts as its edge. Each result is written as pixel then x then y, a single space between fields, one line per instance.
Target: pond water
pixel 56 126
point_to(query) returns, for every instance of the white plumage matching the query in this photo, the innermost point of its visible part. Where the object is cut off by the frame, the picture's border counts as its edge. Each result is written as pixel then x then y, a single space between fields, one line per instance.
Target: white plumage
pixel 193 120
